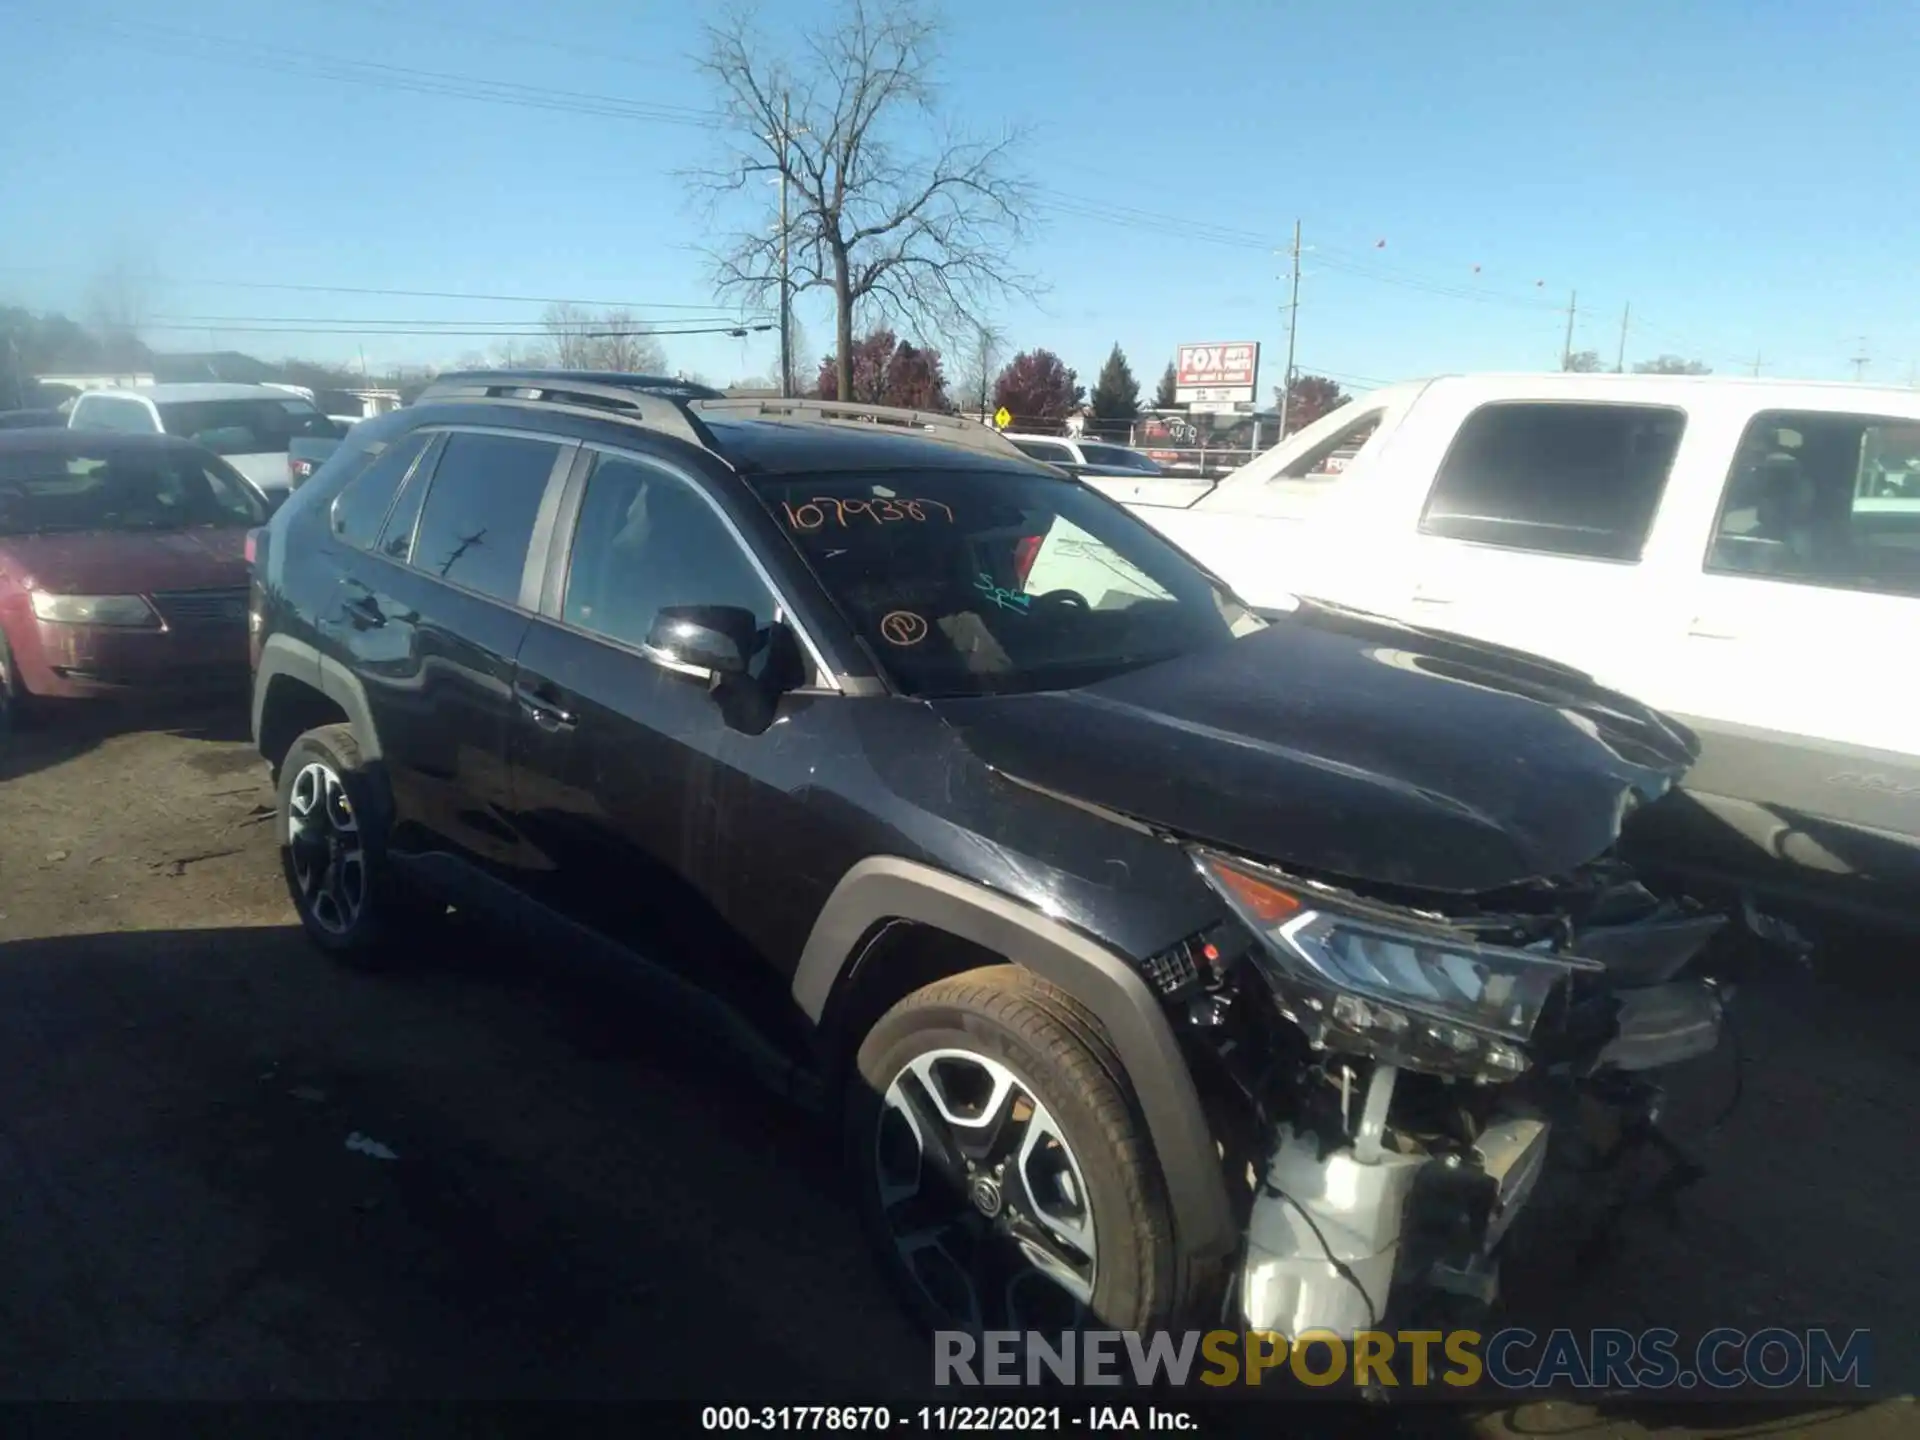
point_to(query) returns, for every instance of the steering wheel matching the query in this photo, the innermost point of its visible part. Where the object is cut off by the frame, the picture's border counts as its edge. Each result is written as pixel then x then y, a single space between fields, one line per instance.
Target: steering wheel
pixel 1065 599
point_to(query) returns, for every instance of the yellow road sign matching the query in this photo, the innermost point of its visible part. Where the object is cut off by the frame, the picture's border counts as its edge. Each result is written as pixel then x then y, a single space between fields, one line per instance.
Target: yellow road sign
pixel 1003 417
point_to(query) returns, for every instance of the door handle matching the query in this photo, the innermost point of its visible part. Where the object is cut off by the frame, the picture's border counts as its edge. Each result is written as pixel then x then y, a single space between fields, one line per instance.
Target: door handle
pixel 1422 595
pixel 365 611
pixel 542 709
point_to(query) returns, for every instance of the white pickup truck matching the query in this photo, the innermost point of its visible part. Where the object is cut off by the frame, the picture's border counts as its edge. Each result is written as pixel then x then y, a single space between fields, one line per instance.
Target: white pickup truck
pixel 1742 554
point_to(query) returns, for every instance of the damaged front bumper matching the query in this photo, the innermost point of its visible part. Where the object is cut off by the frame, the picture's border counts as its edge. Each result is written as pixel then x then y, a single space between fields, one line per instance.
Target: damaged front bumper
pixel 1384 1232
pixel 1384 1193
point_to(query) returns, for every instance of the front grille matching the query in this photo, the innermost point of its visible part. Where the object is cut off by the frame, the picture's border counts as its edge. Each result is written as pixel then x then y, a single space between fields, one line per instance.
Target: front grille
pixel 198 609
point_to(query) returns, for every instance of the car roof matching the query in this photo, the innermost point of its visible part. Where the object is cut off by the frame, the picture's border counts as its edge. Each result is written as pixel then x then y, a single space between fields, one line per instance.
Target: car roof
pixel 59 440
pixel 198 390
pixel 774 446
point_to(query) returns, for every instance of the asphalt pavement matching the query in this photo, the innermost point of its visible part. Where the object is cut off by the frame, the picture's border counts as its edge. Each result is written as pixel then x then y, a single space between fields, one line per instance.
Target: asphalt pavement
pixel 231 1170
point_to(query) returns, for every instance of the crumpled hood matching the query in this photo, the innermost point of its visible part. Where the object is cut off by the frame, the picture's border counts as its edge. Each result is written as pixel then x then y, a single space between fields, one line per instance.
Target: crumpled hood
pixel 127 562
pixel 1352 746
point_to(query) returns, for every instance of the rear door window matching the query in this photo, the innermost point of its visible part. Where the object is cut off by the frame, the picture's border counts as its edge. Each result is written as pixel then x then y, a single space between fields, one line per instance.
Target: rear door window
pixel 1580 480
pixel 1823 499
pixel 477 522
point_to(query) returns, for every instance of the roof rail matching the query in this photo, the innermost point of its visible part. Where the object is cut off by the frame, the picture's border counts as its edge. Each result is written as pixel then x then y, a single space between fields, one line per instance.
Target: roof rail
pixel 672 386
pixel 657 404
pixel 955 428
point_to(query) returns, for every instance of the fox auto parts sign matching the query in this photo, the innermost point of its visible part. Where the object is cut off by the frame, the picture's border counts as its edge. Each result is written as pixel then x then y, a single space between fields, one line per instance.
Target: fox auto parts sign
pixel 1217 371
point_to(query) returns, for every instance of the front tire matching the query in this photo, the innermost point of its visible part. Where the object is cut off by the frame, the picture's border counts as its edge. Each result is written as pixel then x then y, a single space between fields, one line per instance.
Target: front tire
pixel 333 851
pixel 14 697
pixel 1003 1172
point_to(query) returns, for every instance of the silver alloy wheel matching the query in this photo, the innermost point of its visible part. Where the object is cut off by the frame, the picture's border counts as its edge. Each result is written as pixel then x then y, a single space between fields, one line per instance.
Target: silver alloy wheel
pixel 323 838
pixel 985 1200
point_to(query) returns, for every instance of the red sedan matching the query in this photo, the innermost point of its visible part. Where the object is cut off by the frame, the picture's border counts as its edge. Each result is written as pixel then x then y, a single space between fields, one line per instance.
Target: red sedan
pixel 122 567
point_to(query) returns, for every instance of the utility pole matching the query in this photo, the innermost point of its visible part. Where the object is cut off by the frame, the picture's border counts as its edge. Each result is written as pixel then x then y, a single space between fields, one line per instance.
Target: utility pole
pixel 986 360
pixel 1293 326
pixel 786 288
pixel 1620 364
pixel 1860 361
pixel 1758 362
pixel 1566 350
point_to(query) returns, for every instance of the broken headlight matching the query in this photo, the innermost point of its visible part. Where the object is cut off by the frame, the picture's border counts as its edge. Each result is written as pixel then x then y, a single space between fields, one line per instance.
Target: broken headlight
pixel 1386 984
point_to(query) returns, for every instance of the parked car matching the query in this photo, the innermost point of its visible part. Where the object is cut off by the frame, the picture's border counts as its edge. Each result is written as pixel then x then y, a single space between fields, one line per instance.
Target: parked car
pixel 1078 915
pixel 122 567
pixel 1086 457
pixel 1742 554
pixel 251 426
pixel 30 419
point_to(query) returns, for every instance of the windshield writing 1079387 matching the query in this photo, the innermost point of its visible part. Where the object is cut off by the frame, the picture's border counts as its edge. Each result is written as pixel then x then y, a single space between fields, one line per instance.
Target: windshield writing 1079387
pixel 813 514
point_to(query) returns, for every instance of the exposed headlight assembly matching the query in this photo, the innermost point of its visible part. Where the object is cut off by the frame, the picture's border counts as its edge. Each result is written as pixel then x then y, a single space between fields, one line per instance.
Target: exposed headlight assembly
pixel 1388 985
pixel 128 610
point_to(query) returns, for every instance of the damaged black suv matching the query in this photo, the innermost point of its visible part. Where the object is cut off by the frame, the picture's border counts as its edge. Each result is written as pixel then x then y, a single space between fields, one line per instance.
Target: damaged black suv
pixel 1158 954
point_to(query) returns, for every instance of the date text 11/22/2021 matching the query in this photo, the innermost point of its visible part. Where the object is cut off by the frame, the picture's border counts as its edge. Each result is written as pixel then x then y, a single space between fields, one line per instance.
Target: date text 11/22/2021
pixel 945 1419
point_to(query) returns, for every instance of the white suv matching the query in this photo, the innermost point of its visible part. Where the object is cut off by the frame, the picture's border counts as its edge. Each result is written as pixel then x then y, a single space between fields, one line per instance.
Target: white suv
pixel 249 425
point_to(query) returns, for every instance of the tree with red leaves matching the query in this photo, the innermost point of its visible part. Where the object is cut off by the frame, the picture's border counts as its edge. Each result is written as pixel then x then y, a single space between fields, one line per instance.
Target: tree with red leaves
pixel 1038 389
pixel 888 371
pixel 1313 396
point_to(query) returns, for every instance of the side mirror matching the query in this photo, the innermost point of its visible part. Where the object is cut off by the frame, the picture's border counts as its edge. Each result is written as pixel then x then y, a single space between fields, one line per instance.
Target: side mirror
pixel 718 638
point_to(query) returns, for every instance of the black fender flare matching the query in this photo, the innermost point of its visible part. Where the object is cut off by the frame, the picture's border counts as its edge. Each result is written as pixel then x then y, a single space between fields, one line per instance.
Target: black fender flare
pixel 889 888
pixel 300 661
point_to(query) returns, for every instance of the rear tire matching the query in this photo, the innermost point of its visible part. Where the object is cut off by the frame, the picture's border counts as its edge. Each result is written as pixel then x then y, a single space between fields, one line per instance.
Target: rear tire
pixel 1004 1175
pixel 333 828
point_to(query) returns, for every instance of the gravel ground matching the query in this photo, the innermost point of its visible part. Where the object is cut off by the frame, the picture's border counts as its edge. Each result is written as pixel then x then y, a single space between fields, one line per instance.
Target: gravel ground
pixel 578 1205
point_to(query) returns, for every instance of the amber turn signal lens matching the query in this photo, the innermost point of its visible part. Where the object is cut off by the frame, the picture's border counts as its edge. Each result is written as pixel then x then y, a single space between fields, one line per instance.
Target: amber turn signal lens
pixel 1268 905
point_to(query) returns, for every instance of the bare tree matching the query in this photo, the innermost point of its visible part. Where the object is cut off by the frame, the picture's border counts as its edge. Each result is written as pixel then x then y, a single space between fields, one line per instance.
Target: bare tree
pixel 625 344
pixel 888 208
pixel 614 341
pixel 570 331
pixel 978 355
pixel 520 353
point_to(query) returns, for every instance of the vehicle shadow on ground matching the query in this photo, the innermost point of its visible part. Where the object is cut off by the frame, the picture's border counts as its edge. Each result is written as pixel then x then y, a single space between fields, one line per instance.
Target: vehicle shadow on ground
pixel 54 734
pixel 229 1170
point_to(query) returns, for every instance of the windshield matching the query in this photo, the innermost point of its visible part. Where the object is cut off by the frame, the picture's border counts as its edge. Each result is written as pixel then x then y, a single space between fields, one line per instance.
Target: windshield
pixel 245 427
pixel 44 493
pixel 990 582
pixel 1119 457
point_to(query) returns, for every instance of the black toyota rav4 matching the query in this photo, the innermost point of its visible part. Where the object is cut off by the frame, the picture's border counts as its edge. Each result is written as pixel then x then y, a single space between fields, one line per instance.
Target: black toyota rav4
pixel 1157 955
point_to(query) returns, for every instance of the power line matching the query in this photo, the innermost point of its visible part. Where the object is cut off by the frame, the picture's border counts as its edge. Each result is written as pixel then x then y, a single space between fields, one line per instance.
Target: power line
pixel 348 328
pixel 168 40
pixel 386 291
pixel 216 322
pixel 406 15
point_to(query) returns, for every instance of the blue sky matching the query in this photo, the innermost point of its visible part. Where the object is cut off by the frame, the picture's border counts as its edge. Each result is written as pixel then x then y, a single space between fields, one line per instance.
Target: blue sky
pixel 1733 170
